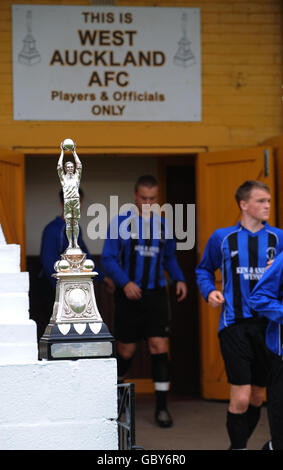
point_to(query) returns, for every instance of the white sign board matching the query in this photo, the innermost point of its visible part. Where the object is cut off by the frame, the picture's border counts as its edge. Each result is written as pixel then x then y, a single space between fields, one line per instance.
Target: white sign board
pixel 86 63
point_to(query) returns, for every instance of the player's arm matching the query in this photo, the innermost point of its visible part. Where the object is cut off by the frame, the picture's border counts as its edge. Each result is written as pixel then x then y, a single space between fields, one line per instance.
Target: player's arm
pixel 205 271
pixel 279 248
pixel 181 290
pixel 171 265
pixel 110 262
pixel 132 291
pixel 266 297
pixel 215 298
pixel 110 258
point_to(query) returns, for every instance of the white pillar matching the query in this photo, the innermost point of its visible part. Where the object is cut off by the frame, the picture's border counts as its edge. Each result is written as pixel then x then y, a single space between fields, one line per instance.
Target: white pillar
pixel 18 343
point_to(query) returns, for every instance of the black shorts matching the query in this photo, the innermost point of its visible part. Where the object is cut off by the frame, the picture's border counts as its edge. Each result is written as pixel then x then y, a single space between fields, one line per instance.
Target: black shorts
pixel 244 352
pixel 144 318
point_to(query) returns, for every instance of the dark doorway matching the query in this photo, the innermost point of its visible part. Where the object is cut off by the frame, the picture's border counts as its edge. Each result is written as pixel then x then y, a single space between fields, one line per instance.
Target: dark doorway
pixel 181 189
pixel 177 180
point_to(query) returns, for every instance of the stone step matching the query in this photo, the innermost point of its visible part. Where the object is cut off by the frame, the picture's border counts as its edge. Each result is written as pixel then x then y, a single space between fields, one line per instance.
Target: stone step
pixel 24 332
pixel 14 282
pixel 18 353
pixel 14 307
pixel 10 258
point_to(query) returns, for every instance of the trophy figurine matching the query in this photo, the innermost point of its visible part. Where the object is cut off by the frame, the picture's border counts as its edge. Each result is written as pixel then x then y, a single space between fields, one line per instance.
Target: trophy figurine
pixel 76 329
pixel 70 182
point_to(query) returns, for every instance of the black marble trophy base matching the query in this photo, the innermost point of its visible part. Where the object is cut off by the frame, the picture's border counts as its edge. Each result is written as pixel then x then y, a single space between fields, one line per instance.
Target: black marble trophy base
pixel 58 345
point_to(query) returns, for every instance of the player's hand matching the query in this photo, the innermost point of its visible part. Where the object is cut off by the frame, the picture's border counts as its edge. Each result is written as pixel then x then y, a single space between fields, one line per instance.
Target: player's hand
pixel 132 291
pixel 110 286
pixel 269 263
pixel 181 290
pixel 215 298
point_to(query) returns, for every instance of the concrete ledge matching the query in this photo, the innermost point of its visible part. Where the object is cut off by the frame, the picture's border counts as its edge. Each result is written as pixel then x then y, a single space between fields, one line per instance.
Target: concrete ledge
pixel 10 258
pixel 14 282
pixel 14 306
pixel 15 332
pixel 81 435
pixel 59 405
pixel 18 353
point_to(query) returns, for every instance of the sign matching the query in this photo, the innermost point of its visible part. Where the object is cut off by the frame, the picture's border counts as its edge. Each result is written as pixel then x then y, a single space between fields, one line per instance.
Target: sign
pixel 86 63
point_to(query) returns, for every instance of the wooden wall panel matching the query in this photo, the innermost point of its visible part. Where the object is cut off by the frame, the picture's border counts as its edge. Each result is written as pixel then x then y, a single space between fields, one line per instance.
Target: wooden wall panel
pixel 241 86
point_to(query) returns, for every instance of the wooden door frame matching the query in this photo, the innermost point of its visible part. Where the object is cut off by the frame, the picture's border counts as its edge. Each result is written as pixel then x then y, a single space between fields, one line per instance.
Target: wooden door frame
pixel 15 234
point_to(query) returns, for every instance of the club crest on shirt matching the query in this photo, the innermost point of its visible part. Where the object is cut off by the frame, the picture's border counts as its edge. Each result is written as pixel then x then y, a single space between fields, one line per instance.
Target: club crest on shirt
pixel 147 250
pixel 270 253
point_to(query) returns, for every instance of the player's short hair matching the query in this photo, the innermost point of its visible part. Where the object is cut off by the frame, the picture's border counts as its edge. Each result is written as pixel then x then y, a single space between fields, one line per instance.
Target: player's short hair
pixel 243 192
pixel 146 180
pixel 61 195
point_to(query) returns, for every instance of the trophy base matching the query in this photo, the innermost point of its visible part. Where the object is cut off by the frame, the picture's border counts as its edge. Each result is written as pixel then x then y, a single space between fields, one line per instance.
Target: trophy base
pixel 76 341
pixel 75 257
pixel 184 61
pixel 73 251
pixel 76 329
pixel 29 59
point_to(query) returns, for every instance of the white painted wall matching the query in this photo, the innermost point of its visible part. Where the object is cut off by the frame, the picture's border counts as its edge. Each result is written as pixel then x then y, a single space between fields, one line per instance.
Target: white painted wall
pixel 102 176
pixel 59 405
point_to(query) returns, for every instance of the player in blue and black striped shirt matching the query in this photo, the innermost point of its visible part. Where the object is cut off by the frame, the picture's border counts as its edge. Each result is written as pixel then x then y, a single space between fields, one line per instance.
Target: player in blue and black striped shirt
pixel 267 300
pixel 242 253
pixel 136 252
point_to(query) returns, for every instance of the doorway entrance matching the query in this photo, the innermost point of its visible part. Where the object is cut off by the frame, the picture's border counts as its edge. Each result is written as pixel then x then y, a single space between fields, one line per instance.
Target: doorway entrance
pixel 177 180
pixel 184 344
pixel 209 179
pixel 99 181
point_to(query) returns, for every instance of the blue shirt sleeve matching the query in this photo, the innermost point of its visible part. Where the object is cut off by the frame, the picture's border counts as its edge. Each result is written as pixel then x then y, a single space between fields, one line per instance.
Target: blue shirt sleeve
pixel 266 297
pixel 210 262
pixel 280 241
pixel 110 258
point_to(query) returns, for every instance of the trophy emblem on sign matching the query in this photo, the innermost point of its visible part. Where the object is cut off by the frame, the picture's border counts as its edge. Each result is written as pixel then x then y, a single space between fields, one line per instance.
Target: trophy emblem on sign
pixel 184 55
pixel 29 54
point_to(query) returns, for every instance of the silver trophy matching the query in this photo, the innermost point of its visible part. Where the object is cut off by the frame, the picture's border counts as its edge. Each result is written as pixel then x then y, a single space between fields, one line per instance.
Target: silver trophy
pixel 76 329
